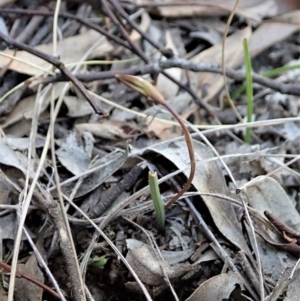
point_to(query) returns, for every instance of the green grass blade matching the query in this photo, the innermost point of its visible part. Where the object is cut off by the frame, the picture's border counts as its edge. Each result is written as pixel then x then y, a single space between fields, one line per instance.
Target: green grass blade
pixel 249 89
pixel 157 200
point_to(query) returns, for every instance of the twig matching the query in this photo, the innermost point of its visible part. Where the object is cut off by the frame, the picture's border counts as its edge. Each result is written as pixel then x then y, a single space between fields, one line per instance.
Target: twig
pixel 108 196
pixel 118 8
pixel 141 53
pixel 85 22
pixel 45 202
pixel 29 278
pixel 280 225
pixel 236 75
pixel 59 65
pixel 293 89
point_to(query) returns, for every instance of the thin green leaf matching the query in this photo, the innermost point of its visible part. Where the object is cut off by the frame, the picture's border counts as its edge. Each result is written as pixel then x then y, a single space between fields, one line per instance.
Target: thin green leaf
pixel 157 200
pixel 249 89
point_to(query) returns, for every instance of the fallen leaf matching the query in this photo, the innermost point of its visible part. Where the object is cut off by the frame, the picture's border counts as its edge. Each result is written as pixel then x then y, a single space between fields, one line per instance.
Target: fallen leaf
pixel 75 152
pixel 216 288
pixel 171 257
pixel 25 107
pixel 165 86
pixel 107 165
pixel 264 193
pixel 109 129
pixel 149 266
pixel 209 84
pixel 70 50
pixel 272 32
pixel 293 290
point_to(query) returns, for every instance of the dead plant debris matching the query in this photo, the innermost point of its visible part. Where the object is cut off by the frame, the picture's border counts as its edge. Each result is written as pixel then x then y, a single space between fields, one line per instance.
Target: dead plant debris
pixel 76 147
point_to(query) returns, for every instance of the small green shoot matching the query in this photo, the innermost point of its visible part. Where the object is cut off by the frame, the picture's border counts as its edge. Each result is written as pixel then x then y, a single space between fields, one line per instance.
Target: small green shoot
pixel 98 262
pixel 249 89
pixel 157 199
pixel 147 89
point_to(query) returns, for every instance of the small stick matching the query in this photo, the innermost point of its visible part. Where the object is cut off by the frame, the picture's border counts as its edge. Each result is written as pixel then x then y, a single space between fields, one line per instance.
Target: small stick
pixel 59 65
pixel 29 278
pixel 281 225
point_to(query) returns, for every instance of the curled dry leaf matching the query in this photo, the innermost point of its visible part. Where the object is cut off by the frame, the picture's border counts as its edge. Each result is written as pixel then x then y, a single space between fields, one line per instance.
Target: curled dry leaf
pixel 264 193
pixel 216 288
pixel 108 129
pixel 79 44
pixel 149 266
pixel 170 257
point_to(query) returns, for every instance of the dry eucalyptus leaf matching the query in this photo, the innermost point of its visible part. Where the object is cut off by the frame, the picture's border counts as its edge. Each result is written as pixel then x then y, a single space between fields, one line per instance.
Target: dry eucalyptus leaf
pixel 77 106
pixel 70 50
pixel 273 260
pixel 280 285
pixel 144 25
pixel 149 266
pixel 253 10
pixel 207 256
pixel 25 107
pixel 108 164
pixel 273 31
pixel 264 193
pixel 208 178
pixel 164 85
pixel 75 152
pixel 216 288
pixel 170 257
pixel 109 129
pixel 210 84
pixel 13 158
pixel 23 143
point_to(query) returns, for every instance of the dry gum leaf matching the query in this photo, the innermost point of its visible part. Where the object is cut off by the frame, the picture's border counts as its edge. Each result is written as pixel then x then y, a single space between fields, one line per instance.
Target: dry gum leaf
pixel 216 288
pixel 69 50
pixel 109 129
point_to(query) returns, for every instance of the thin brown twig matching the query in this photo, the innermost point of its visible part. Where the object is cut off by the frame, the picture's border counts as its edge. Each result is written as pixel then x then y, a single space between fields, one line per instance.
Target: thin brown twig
pixel 44 200
pixel 118 8
pixel 59 65
pixel 123 31
pixel 236 75
pixel 140 53
pixel 29 278
pixel 85 22
pixel 284 88
pixel 280 225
